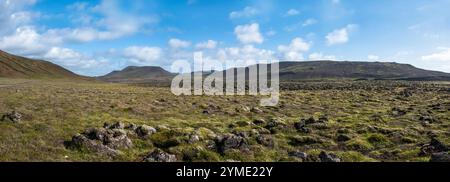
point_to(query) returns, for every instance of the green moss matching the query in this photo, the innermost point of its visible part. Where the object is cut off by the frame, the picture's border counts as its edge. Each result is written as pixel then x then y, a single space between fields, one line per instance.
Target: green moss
pixel 378 140
pixel 352 156
pixel 358 145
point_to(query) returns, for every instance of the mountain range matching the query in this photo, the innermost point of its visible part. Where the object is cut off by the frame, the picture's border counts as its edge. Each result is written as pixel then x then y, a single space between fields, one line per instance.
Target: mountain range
pixel 20 67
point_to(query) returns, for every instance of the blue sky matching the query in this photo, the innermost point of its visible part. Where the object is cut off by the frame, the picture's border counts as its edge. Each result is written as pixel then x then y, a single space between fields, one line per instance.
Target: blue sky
pixel 97 36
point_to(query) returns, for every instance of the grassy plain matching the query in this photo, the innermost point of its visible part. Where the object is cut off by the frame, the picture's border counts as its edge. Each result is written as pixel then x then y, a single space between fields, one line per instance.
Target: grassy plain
pixel 359 121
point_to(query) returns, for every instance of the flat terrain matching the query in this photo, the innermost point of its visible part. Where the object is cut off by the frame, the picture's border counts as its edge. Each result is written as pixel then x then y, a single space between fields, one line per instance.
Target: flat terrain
pixel 354 121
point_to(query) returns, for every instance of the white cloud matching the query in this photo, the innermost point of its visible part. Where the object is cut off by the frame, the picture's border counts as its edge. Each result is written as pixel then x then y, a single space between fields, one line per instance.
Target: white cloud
pixel 340 36
pixel 321 56
pixel 293 27
pixel 294 51
pixel 246 12
pixel 24 41
pixel 210 44
pixel 442 55
pixel 13 14
pixel 373 57
pixel 309 22
pixel 72 59
pixel 177 43
pixel 245 55
pixel 249 34
pixel 292 12
pixel 143 55
pixel 62 53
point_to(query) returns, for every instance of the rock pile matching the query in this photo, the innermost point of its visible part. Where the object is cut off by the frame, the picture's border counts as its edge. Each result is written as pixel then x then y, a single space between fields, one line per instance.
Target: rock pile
pixel 109 139
pixel 159 155
pixel 13 116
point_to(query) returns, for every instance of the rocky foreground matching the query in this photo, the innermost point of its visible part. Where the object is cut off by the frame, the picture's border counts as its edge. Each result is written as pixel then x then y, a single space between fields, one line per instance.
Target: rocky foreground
pixel 314 122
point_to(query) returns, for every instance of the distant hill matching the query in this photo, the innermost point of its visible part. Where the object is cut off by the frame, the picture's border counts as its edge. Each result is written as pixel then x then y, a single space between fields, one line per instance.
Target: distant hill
pixel 134 74
pixel 12 66
pixel 300 71
pixel 356 70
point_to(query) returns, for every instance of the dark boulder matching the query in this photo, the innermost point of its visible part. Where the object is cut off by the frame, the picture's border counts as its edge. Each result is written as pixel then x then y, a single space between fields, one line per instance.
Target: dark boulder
pixel 82 142
pixel 440 157
pixel 144 130
pixel 328 157
pixel 435 146
pixel 300 155
pixel 265 140
pixel 231 141
pixel 13 116
pixel 159 155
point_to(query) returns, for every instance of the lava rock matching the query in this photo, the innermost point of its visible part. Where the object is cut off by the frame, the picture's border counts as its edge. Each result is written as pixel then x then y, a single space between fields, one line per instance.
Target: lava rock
pixel 259 122
pixel 256 110
pixel 117 125
pixel 435 146
pixel 159 155
pixel 81 141
pixel 328 157
pixel 144 130
pixel 265 140
pixel 440 157
pixel 343 138
pixel 13 116
pixel 300 155
pixel 193 138
pixel 230 141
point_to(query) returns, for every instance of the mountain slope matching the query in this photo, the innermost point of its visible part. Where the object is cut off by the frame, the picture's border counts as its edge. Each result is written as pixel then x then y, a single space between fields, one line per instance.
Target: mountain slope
pixel 12 66
pixel 134 74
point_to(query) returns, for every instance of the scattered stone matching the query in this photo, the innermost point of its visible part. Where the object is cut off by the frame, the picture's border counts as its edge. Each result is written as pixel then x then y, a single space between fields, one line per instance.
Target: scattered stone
pixel 320 126
pixel 273 123
pixel 328 157
pixel 301 127
pixel 256 110
pixel 242 123
pixel 230 141
pixel 440 157
pixel 144 130
pixel 243 134
pixel 117 125
pixel 13 116
pixel 81 141
pixel 115 139
pixel 131 127
pixel 323 119
pixel 263 131
pixel 300 155
pixel 343 131
pixel 435 146
pixel 162 128
pixel 243 109
pixel 193 138
pixel 259 122
pixel 310 120
pixel 343 138
pixel 159 155
pixel 231 160
pixel 427 119
pixel 406 93
pixel 265 140
pixel 396 112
